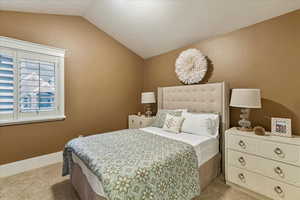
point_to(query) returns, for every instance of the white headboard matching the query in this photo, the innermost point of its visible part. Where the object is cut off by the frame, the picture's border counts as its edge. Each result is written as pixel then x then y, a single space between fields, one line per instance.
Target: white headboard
pixel 207 98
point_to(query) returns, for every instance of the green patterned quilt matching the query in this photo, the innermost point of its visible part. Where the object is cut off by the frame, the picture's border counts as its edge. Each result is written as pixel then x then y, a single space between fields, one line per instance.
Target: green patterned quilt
pixel 137 165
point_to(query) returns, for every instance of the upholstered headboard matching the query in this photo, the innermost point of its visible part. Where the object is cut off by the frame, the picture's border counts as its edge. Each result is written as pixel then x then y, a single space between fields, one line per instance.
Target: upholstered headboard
pixel 206 98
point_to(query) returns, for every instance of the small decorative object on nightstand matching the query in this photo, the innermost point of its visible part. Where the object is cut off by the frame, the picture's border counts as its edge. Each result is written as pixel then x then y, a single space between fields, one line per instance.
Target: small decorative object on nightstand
pixel 135 121
pixel 258 130
pixel 264 166
pixel 245 99
pixel 148 98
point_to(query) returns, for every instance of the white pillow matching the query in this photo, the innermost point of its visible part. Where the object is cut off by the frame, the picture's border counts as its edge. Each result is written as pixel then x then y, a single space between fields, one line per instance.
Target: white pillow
pixel 201 124
pixel 173 123
pixel 161 114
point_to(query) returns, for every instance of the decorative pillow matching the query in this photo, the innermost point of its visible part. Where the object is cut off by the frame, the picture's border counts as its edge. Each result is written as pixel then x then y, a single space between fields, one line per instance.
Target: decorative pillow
pixel 173 123
pixel 161 116
pixel 201 124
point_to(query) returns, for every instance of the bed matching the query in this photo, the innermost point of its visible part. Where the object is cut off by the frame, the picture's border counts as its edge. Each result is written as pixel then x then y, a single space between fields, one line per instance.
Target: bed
pixel 208 98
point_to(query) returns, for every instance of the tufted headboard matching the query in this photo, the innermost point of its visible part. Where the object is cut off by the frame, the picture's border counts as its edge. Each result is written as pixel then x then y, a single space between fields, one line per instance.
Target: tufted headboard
pixel 205 98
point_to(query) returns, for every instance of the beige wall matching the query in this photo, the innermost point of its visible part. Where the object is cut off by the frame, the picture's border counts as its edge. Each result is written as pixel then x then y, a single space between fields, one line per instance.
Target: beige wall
pixel 265 55
pixel 102 82
pixel 103 79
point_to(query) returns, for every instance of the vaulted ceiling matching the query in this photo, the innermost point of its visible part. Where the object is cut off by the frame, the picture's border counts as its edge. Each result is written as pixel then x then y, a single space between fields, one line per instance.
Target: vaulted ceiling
pixel 153 27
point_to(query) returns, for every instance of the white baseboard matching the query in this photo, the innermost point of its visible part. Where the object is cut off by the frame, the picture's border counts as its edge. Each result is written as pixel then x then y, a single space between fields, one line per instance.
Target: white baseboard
pixel 29 164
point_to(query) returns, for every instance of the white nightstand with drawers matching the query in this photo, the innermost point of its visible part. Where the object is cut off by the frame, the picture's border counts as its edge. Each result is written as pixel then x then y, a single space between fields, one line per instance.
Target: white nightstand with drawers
pixel 135 121
pixel 266 165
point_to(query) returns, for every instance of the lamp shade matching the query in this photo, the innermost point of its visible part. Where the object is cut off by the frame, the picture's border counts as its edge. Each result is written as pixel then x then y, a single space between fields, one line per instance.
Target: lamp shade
pixel 148 97
pixel 245 98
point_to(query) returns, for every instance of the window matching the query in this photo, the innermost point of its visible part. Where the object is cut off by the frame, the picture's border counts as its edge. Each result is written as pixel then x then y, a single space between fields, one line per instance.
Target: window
pixel 31 82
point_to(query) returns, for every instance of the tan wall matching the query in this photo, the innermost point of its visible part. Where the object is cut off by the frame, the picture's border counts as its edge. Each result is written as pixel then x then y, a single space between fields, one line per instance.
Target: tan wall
pixel 103 79
pixel 102 82
pixel 265 55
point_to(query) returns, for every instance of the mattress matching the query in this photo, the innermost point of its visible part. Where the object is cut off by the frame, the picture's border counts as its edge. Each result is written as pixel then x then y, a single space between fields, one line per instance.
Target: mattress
pixel 205 147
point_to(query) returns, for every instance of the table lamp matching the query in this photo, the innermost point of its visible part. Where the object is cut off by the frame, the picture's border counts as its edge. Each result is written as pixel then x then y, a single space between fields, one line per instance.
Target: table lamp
pixel 148 98
pixel 245 99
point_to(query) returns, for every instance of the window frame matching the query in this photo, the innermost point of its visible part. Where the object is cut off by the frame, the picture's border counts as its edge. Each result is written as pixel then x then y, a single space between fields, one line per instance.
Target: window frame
pixel 19 46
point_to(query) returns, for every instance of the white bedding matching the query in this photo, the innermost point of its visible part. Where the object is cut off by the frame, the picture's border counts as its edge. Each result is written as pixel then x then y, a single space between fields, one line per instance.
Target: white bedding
pixel 205 147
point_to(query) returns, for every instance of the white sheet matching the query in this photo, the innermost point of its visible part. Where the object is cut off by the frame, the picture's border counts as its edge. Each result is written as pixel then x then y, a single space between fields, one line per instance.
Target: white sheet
pixel 205 147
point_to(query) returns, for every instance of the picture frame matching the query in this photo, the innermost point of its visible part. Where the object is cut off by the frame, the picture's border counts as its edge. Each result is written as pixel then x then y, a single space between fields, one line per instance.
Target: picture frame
pixel 281 127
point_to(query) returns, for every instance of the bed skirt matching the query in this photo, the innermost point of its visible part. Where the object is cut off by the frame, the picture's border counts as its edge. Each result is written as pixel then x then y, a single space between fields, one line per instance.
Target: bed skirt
pixel 208 172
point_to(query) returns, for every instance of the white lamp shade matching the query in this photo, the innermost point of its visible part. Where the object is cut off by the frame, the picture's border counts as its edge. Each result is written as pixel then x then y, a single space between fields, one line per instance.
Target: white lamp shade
pixel 148 97
pixel 245 98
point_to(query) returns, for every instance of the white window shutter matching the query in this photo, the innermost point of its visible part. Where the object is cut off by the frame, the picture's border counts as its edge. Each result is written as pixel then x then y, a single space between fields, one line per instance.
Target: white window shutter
pixel 37 86
pixel 7 84
pixel 31 82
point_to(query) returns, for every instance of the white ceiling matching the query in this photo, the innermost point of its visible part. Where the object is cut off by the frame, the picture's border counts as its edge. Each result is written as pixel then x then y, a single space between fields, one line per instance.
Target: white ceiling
pixel 61 7
pixel 153 27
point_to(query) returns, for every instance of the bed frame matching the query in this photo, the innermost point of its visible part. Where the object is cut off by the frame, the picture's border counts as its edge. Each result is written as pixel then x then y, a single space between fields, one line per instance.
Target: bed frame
pixel 203 98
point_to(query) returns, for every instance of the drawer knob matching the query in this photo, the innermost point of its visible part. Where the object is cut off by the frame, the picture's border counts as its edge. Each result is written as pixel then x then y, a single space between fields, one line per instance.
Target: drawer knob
pixel 242 160
pixel 242 144
pixel 242 177
pixel 278 190
pixel 278 171
pixel 278 151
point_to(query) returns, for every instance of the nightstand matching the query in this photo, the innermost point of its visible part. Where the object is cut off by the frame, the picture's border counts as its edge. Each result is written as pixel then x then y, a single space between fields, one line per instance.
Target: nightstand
pixel 135 121
pixel 263 165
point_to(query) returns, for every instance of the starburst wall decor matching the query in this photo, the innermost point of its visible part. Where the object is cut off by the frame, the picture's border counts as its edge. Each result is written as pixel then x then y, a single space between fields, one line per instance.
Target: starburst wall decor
pixel 191 66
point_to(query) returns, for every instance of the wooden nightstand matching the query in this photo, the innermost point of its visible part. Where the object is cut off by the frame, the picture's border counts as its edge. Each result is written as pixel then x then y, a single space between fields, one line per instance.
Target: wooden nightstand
pixel 135 121
pixel 266 165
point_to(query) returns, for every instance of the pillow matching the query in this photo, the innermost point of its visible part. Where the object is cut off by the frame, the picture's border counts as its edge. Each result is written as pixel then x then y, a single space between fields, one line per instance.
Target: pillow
pixel 201 124
pixel 173 123
pixel 160 117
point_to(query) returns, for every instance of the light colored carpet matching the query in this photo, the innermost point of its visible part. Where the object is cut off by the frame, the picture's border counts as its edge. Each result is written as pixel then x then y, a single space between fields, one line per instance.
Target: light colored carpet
pixel 47 184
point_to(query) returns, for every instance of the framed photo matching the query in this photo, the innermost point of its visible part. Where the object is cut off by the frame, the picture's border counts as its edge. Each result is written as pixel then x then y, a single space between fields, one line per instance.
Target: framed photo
pixel 281 127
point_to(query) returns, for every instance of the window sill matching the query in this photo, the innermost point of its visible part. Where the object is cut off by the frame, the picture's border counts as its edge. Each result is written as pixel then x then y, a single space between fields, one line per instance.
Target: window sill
pixel 31 120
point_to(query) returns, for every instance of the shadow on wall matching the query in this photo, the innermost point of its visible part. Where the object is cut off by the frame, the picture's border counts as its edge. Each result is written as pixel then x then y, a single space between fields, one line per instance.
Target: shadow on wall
pixel 262 117
pixel 209 72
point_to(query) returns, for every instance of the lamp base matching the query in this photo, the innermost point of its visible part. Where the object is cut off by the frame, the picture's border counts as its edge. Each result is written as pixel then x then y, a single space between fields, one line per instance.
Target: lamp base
pixel 245 124
pixel 148 112
pixel 245 129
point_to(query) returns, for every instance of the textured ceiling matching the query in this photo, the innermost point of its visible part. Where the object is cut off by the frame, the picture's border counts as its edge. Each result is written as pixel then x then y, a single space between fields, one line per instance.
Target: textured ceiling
pixel 153 27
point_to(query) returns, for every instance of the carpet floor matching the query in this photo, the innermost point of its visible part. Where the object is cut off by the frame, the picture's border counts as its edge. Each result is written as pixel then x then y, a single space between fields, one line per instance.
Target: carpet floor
pixel 47 184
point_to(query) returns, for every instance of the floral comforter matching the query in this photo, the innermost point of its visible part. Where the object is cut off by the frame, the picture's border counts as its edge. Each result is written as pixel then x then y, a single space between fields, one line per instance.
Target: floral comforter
pixel 137 165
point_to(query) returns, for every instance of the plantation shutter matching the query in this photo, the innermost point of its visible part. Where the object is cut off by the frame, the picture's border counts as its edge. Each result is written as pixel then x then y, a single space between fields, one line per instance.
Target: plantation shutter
pixel 37 86
pixel 31 82
pixel 37 94
pixel 7 84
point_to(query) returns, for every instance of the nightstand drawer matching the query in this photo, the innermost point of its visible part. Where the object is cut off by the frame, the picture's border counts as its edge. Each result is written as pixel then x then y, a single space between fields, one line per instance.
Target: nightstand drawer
pixel 141 123
pixel 244 144
pixel 268 187
pixel 135 121
pixel 132 121
pixel 277 170
pixel 282 152
pixel 243 178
